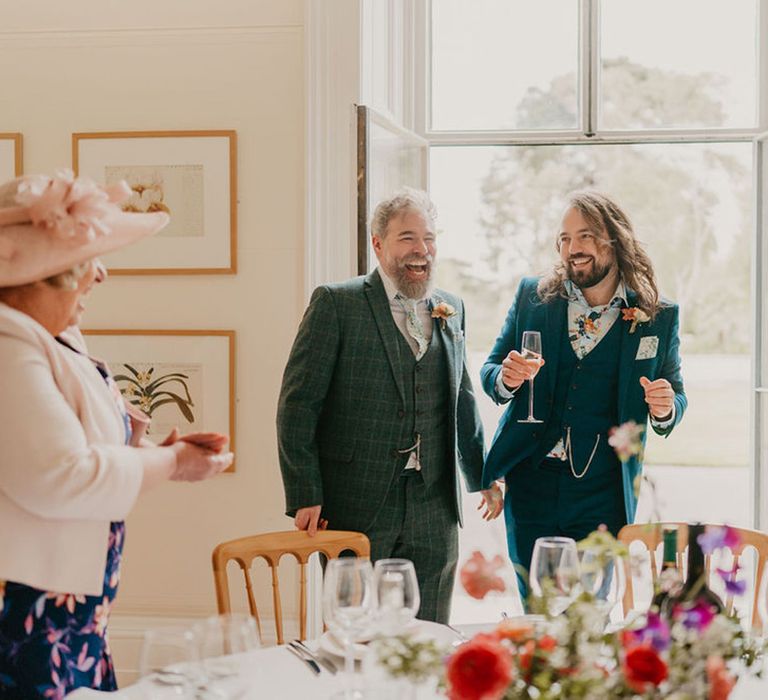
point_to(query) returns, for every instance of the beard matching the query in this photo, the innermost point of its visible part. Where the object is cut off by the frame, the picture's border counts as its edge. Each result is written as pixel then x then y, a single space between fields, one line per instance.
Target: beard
pixel 589 276
pixel 410 288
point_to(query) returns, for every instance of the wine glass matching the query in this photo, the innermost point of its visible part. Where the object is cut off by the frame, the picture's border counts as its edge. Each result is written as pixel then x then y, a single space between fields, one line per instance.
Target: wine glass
pixel 531 347
pixel 602 576
pixel 220 636
pixel 349 606
pixel 168 658
pixel 397 591
pixel 555 571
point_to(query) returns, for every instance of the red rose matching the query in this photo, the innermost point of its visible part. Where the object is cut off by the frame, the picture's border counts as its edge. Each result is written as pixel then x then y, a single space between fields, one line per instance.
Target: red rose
pixel 643 667
pixel 481 669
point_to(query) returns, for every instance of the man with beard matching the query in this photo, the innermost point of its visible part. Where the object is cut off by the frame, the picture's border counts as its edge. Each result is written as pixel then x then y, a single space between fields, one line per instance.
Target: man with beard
pixel 377 413
pixel 610 355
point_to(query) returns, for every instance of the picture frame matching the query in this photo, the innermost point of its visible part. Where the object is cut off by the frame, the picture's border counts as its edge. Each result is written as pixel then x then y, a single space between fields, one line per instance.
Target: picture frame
pixel 181 378
pixel 388 157
pixel 11 156
pixel 190 174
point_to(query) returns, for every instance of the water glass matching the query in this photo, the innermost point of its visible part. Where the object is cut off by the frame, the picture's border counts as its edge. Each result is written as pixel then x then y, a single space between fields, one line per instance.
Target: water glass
pixel 349 608
pixel 555 571
pixel 169 659
pixel 397 591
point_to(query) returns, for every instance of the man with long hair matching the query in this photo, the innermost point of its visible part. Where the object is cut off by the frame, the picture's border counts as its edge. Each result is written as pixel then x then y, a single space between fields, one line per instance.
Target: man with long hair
pixel 610 355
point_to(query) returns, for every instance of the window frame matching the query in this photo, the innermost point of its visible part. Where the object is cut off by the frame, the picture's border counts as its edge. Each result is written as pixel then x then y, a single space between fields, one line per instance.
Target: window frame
pixel 589 133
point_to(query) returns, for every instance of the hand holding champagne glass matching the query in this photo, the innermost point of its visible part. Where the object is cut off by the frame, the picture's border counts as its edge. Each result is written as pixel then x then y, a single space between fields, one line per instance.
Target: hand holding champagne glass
pixel 531 347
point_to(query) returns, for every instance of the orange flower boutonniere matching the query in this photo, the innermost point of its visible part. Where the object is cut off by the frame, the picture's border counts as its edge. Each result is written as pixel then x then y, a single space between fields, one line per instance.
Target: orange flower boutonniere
pixel 443 311
pixel 635 315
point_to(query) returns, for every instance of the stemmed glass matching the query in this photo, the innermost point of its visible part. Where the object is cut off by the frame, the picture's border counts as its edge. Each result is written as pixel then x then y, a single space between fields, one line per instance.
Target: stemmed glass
pixel 349 607
pixel 555 571
pixel 169 659
pixel 397 591
pixel 531 348
pixel 602 575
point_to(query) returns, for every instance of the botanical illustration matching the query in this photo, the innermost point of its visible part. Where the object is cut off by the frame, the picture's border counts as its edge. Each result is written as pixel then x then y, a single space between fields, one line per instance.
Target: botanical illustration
pixel 174 189
pixel 166 393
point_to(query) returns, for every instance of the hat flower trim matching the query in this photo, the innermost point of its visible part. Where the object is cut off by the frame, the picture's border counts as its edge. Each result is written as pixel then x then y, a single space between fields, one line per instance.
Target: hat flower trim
pixel 70 207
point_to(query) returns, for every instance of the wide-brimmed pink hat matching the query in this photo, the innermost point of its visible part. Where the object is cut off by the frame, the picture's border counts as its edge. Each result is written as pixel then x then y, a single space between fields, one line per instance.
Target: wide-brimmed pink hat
pixel 50 224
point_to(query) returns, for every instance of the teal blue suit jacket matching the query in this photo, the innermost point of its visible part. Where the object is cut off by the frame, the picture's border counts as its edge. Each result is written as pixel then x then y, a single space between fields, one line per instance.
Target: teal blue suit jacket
pixel 514 442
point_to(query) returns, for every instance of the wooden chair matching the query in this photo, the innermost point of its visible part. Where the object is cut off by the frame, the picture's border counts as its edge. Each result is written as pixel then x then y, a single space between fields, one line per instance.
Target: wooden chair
pixel 651 535
pixel 271 546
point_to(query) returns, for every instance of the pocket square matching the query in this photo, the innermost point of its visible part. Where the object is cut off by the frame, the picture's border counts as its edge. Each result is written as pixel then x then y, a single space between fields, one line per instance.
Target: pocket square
pixel 648 348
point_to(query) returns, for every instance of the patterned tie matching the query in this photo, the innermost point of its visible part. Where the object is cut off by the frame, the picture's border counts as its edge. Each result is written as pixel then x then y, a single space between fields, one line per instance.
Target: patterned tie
pixel 413 324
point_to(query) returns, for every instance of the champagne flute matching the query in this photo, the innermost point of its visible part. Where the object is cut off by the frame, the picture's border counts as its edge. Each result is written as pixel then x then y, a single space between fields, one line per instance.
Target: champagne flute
pixel 397 590
pixel 531 347
pixel 602 576
pixel 555 571
pixel 349 606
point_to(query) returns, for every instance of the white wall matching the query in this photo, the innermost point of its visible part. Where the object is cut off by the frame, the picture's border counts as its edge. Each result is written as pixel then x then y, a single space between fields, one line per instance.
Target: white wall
pixel 98 65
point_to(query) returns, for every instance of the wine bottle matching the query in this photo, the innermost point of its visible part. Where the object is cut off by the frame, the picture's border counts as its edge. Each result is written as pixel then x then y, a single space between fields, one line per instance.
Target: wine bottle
pixel 670 578
pixel 695 590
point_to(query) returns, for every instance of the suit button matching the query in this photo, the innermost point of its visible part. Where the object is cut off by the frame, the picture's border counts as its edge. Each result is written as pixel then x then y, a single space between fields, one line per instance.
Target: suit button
pixel 419 412
pixel 418 389
pixel 401 413
pixel 535 435
pixel 578 367
pixel 573 387
pixel 418 368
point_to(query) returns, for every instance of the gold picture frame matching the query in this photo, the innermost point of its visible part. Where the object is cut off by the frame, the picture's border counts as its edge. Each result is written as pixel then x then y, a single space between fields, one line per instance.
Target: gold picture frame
pixel 190 174
pixel 181 378
pixel 11 156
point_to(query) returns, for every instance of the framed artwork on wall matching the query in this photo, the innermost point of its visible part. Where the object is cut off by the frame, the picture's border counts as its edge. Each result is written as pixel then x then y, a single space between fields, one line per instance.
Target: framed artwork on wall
pixel 191 175
pixel 11 156
pixel 180 378
pixel 388 158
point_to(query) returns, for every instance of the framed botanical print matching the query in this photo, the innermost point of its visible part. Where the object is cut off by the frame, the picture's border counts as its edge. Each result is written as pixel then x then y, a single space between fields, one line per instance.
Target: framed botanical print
pixel 180 378
pixel 190 175
pixel 11 156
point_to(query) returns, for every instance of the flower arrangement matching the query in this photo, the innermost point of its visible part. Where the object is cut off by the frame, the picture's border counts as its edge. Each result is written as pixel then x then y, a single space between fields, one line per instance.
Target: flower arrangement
pixel 691 653
pixel 443 311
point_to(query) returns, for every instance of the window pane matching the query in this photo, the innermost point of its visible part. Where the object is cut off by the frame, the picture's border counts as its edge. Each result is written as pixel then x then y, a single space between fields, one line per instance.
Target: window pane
pixel 504 64
pixel 685 63
pixel 498 211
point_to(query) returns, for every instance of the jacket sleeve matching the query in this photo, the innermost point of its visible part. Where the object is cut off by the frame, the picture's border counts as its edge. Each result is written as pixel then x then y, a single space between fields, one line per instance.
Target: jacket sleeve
pixel 504 343
pixel 670 370
pixel 48 467
pixel 470 438
pixel 305 385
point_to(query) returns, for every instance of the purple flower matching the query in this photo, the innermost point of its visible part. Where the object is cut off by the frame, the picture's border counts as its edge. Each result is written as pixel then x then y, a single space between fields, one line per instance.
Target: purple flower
pixel 732 586
pixel 655 633
pixel 718 537
pixel 695 617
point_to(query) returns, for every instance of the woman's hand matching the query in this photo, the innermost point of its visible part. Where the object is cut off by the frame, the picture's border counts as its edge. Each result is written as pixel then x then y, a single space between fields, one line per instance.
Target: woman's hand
pixel 195 462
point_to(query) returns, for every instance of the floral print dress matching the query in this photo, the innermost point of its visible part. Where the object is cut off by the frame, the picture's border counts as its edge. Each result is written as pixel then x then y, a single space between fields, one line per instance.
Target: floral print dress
pixel 52 643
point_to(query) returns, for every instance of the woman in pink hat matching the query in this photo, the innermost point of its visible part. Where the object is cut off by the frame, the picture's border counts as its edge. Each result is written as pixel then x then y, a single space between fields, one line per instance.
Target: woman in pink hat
pixel 74 459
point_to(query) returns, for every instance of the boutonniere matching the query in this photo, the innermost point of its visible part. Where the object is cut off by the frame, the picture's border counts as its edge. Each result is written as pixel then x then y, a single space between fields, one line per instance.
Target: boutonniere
pixel 636 315
pixel 443 311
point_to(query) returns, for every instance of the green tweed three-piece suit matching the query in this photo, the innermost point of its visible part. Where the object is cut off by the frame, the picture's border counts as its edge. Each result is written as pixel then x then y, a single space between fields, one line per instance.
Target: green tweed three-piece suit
pixel 353 400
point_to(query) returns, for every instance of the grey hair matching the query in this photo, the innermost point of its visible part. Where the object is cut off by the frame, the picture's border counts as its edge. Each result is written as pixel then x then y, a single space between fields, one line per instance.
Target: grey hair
pixel 69 278
pixel 405 199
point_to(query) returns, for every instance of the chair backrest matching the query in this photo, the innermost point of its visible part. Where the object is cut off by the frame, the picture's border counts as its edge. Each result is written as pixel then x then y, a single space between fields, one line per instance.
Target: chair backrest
pixel 651 535
pixel 271 546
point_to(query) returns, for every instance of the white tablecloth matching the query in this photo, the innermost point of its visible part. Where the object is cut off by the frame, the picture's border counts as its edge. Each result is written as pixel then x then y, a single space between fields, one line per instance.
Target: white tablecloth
pixel 276 674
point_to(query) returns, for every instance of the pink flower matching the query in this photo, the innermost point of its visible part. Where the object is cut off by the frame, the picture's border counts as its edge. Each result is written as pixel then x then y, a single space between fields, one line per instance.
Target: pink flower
pixel 626 439
pixel 478 575
pixel 68 206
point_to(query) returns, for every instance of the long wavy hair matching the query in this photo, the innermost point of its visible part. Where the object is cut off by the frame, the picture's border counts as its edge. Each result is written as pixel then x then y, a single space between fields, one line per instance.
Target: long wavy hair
pixel 603 214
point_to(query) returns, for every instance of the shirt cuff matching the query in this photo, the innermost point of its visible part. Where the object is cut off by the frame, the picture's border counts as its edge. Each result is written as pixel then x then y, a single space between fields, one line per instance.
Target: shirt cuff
pixel 502 390
pixel 663 425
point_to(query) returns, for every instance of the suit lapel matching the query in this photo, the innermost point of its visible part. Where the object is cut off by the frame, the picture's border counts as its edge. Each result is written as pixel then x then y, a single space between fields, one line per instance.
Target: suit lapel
pixel 629 345
pixel 552 341
pixel 450 345
pixel 382 315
